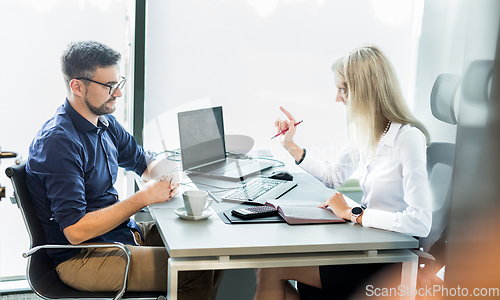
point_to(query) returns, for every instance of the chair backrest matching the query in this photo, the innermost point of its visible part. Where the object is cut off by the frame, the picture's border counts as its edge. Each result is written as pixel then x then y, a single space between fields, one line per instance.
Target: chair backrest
pixel 443 97
pixel 41 273
pixel 17 174
pixel 440 157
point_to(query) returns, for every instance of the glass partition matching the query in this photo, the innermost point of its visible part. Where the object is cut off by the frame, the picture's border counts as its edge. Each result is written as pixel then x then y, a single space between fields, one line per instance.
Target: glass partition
pixel 33 36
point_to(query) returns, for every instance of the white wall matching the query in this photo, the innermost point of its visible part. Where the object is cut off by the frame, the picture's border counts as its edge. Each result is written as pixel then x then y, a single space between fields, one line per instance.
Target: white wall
pixel 33 35
pixel 253 56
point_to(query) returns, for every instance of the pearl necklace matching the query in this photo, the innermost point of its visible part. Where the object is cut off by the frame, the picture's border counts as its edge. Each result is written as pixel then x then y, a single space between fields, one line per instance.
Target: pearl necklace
pixel 385 131
pixel 381 137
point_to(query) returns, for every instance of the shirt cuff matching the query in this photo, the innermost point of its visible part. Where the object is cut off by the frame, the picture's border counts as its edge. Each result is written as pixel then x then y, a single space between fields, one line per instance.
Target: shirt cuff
pixel 150 157
pixel 302 158
pixel 378 219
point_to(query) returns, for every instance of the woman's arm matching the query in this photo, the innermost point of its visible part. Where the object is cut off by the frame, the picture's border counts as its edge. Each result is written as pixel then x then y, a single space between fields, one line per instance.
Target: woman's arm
pixel 416 218
pixel 331 174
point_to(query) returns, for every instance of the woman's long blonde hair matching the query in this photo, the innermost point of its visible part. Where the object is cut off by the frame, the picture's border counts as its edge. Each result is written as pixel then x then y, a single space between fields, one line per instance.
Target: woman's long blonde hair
pixel 374 97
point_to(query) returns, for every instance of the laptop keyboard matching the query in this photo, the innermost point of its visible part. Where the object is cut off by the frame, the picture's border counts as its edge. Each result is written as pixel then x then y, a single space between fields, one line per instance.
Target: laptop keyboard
pixel 253 189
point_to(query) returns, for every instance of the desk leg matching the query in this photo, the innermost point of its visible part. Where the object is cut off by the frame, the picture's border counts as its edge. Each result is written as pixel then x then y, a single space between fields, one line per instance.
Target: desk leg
pixel 409 278
pixel 172 280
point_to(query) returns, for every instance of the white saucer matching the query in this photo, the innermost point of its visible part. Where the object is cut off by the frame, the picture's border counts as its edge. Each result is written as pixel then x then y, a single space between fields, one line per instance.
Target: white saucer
pixel 181 212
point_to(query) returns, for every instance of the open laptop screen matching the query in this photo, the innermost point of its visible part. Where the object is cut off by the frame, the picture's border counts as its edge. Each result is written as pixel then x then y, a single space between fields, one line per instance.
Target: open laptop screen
pixel 201 134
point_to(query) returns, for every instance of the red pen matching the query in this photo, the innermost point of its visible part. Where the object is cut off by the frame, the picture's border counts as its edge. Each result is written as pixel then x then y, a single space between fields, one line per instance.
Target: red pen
pixel 284 131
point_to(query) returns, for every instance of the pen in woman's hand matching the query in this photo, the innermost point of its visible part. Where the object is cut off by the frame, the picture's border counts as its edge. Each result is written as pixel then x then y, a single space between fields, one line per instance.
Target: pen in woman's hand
pixel 284 131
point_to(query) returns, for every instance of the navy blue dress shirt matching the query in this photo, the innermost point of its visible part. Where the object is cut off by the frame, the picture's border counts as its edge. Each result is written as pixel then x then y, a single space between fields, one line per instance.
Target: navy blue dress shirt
pixel 71 169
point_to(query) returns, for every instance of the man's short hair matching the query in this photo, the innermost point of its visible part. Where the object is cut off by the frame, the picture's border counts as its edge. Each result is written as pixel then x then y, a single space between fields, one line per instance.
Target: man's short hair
pixel 82 59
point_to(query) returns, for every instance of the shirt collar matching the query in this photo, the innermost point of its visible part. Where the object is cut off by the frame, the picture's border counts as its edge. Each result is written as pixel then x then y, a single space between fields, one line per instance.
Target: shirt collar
pixel 83 125
pixel 390 136
pixel 104 122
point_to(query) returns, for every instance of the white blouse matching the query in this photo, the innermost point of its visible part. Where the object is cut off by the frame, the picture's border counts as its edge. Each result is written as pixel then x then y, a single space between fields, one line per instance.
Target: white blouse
pixel 395 187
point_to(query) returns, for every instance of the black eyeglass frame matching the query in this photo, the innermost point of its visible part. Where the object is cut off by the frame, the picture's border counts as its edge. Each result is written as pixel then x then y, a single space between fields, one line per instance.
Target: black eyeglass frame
pixel 112 88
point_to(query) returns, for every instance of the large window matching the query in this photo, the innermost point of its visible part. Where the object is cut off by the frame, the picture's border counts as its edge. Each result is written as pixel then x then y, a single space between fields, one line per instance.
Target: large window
pixel 33 36
pixel 256 55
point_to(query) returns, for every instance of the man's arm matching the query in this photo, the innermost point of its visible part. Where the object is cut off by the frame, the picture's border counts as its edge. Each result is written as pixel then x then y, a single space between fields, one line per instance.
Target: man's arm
pixel 99 222
pixel 150 171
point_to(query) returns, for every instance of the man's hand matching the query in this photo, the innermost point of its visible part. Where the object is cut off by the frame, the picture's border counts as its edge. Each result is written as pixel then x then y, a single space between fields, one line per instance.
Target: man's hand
pixel 160 189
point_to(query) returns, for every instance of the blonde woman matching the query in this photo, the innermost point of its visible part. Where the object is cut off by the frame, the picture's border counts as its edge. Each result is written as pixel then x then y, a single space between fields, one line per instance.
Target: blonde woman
pixel 388 148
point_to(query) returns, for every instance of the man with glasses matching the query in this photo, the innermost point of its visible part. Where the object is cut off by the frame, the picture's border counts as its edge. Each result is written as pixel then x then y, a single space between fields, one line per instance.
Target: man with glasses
pixel 72 166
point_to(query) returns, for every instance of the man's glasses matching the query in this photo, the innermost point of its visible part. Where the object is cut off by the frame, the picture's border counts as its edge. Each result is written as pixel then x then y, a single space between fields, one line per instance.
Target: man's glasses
pixel 112 88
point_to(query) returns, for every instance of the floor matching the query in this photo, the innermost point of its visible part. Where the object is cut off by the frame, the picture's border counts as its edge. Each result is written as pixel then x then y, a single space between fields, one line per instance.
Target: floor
pixel 236 284
pixel 17 296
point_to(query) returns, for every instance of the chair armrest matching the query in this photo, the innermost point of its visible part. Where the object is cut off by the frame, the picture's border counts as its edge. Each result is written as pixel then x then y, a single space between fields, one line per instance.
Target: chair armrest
pixel 82 246
pixel 350 185
pixel 422 254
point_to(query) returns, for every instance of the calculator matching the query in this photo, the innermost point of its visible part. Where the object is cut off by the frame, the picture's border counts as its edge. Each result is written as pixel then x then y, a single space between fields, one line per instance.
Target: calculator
pixel 255 212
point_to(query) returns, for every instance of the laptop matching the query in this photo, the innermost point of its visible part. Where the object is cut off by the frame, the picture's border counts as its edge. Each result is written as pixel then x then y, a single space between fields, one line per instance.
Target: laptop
pixel 203 148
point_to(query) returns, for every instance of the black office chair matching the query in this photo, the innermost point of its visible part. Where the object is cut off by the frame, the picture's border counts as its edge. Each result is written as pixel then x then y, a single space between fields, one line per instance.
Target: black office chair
pixel 41 273
pixel 440 159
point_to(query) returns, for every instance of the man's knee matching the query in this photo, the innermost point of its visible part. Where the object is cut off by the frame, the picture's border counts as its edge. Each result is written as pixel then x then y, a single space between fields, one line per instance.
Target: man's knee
pixel 151 235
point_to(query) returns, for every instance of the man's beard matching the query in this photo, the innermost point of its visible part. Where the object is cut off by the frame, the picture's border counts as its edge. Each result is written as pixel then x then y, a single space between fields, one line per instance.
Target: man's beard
pixel 101 110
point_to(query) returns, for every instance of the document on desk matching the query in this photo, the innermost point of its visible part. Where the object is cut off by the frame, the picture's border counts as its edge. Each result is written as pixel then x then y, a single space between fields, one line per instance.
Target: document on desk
pixel 304 212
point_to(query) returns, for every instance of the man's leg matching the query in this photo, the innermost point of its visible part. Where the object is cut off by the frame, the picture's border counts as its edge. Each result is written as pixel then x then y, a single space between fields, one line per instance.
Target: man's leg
pixel 94 269
pixel 192 284
pixel 103 269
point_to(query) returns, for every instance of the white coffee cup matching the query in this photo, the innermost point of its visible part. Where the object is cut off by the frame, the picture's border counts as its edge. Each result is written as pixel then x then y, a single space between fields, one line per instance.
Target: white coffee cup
pixel 195 202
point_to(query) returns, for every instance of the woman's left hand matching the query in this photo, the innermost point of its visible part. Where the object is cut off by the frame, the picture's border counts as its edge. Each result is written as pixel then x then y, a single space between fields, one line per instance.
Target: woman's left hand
pixel 338 205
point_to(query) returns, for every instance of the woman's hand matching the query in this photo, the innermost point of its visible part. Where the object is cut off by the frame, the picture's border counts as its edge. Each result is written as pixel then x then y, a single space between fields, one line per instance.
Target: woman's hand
pixel 338 205
pixel 286 139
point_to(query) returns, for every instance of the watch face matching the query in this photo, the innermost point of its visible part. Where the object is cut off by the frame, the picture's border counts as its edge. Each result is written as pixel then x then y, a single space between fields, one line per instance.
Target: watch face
pixel 356 210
